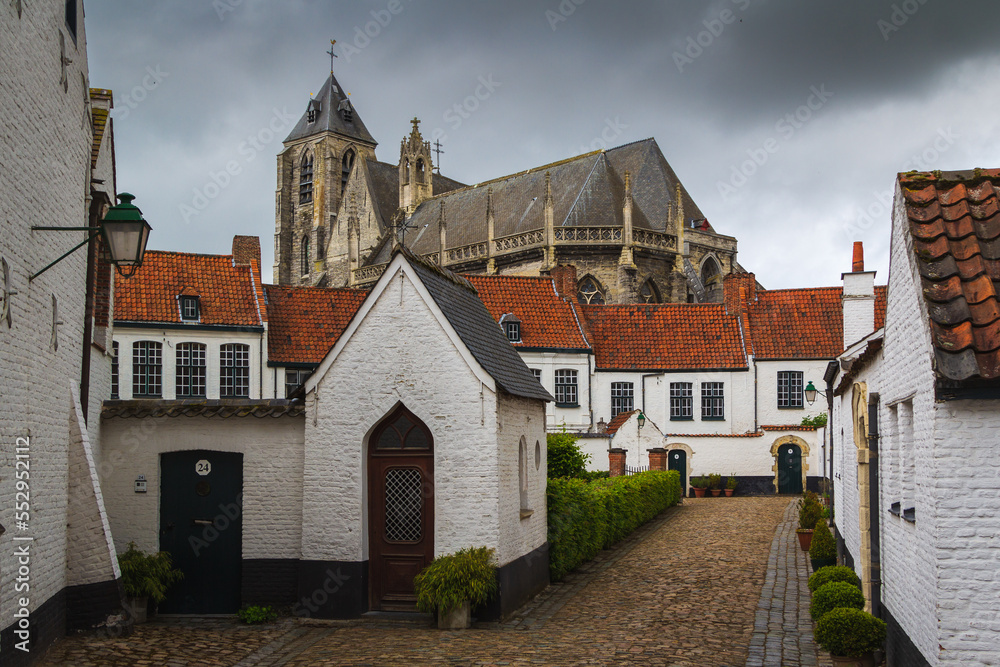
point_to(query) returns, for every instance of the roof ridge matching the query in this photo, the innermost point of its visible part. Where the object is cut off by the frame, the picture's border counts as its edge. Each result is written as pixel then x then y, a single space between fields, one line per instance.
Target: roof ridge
pixel 631 143
pixel 314 288
pixel 195 254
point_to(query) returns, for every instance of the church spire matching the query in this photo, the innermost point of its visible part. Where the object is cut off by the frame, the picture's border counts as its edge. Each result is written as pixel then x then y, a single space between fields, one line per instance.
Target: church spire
pixel 416 182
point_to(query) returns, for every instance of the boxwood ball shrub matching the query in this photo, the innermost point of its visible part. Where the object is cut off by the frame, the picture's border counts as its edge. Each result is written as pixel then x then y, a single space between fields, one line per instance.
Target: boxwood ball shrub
pixel 834 595
pixel 810 511
pixel 850 632
pixel 823 546
pixel 825 575
pixel 467 575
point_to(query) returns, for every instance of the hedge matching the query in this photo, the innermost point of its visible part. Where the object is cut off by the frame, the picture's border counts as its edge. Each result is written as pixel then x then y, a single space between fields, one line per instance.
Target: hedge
pixel 585 517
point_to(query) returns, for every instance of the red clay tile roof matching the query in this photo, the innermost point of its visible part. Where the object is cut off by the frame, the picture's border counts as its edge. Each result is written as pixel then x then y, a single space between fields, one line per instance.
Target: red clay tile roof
pixel 788 427
pixel 619 421
pixel 226 292
pixel 547 320
pixel 955 224
pixel 665 337
pixel 750 434
pixel 305 322
pixel 802 323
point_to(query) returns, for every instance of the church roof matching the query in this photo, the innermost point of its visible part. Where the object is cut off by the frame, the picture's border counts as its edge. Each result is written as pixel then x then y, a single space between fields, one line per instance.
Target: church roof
pixel 305 322
pixel 384 187
pixel 587 190
pixel 327 105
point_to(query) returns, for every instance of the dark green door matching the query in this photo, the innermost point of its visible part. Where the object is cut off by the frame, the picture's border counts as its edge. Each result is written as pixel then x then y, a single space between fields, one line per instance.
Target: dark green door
pixel 677 460
pixel 201 526
pixel 789 469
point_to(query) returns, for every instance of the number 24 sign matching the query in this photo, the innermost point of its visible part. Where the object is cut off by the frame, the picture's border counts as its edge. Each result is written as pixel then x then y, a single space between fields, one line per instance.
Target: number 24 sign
pixel 203 467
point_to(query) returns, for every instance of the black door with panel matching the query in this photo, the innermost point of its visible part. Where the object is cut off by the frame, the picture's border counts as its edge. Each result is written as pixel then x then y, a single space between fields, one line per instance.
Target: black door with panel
pixel 677 460
pixel 789 469
pixel 201 526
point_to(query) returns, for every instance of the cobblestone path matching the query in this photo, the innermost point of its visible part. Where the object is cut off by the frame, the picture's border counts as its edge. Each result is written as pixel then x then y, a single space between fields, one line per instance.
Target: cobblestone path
pixel 685 590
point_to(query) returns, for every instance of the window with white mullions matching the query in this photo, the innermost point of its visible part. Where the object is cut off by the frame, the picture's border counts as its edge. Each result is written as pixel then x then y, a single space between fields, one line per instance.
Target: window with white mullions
pixel 147 368
pixel 789 389
pixel 234 371
pixel 621 398
pixel 712 401
pixel 190 370
pixel 566 388
pixel 681 401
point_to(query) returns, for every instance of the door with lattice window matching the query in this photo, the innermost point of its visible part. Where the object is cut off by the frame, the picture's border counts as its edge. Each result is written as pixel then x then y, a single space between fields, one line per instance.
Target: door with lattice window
pixel 401 516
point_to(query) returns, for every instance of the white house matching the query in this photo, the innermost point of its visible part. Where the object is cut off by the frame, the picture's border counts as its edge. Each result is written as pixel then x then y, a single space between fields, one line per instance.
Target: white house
pixel 917 477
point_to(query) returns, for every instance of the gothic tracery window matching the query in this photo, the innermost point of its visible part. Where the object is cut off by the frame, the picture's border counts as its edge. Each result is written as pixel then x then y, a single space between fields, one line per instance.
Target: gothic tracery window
pixel 649 293
pixel 590 291
pixel 345 170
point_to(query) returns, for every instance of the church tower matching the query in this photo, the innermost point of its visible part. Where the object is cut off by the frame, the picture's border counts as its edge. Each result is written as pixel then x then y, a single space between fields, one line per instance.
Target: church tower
pixel 313 169
pixel 416 178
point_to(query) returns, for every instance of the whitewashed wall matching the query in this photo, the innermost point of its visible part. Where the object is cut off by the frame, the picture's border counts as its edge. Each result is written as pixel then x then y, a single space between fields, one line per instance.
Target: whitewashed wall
pixel 768 411
pixel 574 419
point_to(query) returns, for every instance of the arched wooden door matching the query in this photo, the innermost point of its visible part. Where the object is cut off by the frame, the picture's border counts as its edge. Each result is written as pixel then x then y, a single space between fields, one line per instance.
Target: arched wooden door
pixel 401 509
pixel 789 469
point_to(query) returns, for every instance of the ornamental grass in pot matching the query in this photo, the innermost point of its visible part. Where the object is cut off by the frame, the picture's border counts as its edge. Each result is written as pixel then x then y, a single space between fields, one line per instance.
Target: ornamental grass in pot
pixel 452 585
pixel 144 577
pixel 851 636
pixel 823 550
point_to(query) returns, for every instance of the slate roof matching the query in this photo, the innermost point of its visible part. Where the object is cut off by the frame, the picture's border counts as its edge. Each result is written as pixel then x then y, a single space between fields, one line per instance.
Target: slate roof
pixel 305 322
pixel 954 221
pixel 547 320
pixel 587 190
pixel 457 299
pixel 680 336
pixel 329 119
pixel 226 292
pixel 383 183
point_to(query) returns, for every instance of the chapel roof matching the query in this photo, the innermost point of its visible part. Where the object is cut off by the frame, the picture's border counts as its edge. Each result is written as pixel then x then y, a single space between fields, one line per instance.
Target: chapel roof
pixel 226 291
pixel 618 421
pixel 328 104
pixel 547 319
pixel 679 336
pixel 954 221
pixel 305 322
pixel 383 183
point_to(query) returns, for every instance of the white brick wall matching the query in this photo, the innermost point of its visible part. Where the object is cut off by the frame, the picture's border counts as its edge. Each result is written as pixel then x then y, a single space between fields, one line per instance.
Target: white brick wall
pixel 45 142
pixel 574 419
pixel 517 418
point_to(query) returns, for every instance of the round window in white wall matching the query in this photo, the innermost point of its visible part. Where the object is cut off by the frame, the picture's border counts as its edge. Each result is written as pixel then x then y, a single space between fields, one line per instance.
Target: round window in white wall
pixel 538 455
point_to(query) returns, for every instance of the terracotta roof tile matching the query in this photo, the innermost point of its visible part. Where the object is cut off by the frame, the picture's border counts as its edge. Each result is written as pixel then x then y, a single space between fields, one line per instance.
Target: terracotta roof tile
pixel 619 421
pixel 787 427
pixel 226 292
pixel 954 220
pixel 305 322
pixel 547 320
pixel 750 434
pixel 666 336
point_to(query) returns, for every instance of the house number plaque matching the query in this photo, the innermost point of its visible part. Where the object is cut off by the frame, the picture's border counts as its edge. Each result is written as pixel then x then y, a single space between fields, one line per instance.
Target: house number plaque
pixel 203 467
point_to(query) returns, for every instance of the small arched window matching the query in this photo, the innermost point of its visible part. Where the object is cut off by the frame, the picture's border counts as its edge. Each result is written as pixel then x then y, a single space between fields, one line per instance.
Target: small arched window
pixel 345 170
pixel 711 278
pixel 522 475
pixel 649 292
pixel 304 268
pixel 306 179
pixel 590 291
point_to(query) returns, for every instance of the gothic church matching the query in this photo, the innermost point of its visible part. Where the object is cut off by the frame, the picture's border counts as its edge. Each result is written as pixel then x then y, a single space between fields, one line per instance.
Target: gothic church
pixel 620 216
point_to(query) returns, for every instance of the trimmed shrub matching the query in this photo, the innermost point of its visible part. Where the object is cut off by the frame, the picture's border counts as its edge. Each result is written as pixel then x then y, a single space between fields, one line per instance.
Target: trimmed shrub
pixel 823 546
pixel 585 517
pixel 834 595
pixel 810 511
pixel 565 458
pixel 466 575
pixel 850 632
pixel 825 575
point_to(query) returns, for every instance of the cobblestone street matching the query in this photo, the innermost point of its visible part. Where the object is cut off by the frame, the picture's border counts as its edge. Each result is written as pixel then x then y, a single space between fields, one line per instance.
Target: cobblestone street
pixel 709 583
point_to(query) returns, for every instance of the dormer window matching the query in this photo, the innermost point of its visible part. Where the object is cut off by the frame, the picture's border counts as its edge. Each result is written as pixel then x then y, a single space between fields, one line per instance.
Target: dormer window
pixel 511 327
pixel 346 111
pixel 312 111
pixel 190 312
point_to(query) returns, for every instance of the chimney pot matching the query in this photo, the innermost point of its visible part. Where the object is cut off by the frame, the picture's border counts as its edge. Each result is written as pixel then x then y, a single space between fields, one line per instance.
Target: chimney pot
pixel 858 262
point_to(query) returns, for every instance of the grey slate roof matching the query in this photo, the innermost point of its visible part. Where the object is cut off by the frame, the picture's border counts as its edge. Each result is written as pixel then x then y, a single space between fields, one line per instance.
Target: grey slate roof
pixel 383 183
pixel 330 97
pixel 458 300
pixel 587 190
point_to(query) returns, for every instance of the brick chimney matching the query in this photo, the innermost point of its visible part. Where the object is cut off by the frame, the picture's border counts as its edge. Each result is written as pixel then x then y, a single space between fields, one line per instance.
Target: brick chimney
pixel 564 277
pixel 739 291
pixel 858 299
pixel 245 249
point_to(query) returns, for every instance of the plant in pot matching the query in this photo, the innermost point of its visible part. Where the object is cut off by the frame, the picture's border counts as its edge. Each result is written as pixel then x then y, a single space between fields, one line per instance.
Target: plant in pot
pixel 835 594
pixel 452 585
pixel 823 550
pixel 144 577
pixel 699 484
pixel 825 575
pixel 851 636
pixel 731 484
pixel 810 511
pixel 714 483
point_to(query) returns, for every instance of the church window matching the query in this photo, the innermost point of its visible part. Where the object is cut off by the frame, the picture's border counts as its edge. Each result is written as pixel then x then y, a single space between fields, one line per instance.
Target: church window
pixel 190 370
pixel 147 368
pixel 649 293
pixel 680 401
pixel 590 292
pixel 403 430
pixel 345 170
pixel 712 401
pixel 234 371
pixel 621 398
pixel 711 279
pixel 304 268
pixel 566 388
pixel 789 389
pixel 306 179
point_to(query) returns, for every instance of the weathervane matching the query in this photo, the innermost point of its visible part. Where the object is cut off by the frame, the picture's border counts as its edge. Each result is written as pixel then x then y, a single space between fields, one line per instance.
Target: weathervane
pixel 437 151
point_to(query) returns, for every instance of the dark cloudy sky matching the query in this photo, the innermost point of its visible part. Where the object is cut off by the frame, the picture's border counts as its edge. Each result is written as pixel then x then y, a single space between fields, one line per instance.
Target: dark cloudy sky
pixel 786 120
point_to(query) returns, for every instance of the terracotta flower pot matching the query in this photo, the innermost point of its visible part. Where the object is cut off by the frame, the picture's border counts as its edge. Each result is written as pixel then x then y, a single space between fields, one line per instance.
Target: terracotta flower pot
pixel 698 493
pixel 716 492
pixel 866 660
pixel 729 493
pixel 805 538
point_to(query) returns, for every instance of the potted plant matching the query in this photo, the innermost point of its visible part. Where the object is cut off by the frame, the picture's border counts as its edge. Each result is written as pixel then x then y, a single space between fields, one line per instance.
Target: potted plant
pixel 731 484
pixel 810 511
pixel 835 594
pixel 699 484
pixel 452 585
pixel 145 576
pixel 825 575
pixel 823 550
pixel 714 483
pixel 851 636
